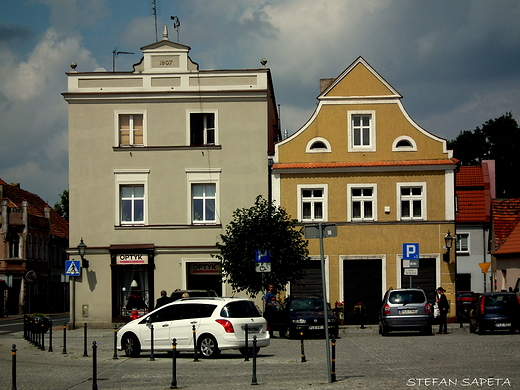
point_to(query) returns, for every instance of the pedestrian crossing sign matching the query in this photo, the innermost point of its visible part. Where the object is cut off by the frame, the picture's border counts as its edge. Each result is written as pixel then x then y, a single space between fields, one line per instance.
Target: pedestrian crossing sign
pixel 72 268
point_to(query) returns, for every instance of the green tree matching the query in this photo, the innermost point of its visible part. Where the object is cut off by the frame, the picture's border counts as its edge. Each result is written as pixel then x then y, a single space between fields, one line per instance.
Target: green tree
pixel 498 139
pixel 264 226
pixel 62 207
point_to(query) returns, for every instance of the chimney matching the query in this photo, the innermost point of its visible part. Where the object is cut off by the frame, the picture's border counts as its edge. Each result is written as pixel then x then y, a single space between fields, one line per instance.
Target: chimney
pixel 325 83
pixel 15 185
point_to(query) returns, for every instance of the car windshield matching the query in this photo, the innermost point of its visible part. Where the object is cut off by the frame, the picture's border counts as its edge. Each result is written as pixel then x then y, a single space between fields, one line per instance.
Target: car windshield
pixel 240 309
pixel 310 304
pixel 405 297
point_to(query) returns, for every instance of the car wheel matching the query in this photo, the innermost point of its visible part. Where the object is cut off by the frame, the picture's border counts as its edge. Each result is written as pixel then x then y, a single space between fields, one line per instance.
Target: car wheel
pixel 383 330
pixel 427 330
pixel 480 329
pixel 208 346
pixel 131 345
pixel 290 333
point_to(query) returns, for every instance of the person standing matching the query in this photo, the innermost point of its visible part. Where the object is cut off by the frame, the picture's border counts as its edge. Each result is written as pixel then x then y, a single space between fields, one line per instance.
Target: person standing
pixel 444 307
pixel 163 300
pixel 270 306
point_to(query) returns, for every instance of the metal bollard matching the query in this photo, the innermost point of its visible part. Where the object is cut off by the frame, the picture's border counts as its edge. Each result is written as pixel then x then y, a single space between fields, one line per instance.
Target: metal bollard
pixel 302 348
pixel 173 385
pixel 246 359
pixel 50 336
pixel 333 353
pixel 94 366
pixel 13 374
pixel 195 357
pixel 64 338
pixel 85 354
pixel 253 379
pixel 115 343
pixel 42 346
pixel 151 341
pixel 25 322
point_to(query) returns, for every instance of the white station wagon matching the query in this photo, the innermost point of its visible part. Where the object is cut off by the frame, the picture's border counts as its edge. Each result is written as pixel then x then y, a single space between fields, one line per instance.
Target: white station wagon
pixel 219 324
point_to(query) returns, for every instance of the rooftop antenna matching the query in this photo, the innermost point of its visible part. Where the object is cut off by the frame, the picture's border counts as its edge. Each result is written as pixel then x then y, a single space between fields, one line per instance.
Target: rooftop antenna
pixel 154 12
pixel 176 25
pixel 115 53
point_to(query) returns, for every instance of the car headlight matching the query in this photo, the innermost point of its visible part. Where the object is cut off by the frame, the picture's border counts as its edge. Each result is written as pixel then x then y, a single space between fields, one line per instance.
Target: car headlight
pixel 299 321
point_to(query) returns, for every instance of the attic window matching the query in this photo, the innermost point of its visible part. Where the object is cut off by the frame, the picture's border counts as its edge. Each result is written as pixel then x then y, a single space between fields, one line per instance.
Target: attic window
pixel 318 145
pixel 404 144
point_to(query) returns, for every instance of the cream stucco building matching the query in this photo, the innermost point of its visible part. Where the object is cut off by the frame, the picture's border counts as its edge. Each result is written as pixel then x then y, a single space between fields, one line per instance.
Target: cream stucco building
pixel 160 157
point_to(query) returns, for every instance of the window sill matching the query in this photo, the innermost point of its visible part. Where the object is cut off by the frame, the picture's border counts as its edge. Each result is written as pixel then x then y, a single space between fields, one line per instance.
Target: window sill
pixel 171 227
pixel 171 147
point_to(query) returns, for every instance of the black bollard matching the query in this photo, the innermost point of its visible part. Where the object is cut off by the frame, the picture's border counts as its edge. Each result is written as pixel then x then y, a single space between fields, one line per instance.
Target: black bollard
pixel 42 346
pixel 253 379
pixel 195 357
pixel 64 338
pixel 94 366
pixel 302 348
pixel 25 322
pixel 50 336
pixel 173 385
pixel 333 353
pixel 85 354
pixel 13 374
pixel 246 328
pixel 151 341
pixel 115 343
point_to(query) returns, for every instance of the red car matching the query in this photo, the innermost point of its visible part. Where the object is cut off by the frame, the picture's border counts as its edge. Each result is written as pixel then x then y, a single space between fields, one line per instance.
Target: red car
pixel 465 301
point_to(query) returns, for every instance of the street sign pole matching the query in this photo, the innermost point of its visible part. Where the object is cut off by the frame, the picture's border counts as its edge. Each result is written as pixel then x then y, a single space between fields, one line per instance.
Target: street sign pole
pixel 325 311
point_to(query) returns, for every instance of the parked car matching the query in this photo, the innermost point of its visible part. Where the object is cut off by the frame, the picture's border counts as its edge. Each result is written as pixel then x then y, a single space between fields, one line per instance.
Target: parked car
pixel 219 325
pixel 178 294
pixel 465 301
pixel 305 315
pixel 405 309
pixel 495 311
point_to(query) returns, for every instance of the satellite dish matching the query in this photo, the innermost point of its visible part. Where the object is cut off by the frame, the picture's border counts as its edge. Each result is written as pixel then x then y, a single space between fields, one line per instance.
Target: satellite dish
pixel 31 276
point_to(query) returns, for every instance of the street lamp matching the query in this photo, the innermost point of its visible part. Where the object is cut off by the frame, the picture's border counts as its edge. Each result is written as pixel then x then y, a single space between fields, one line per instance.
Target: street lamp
pixel 448 241
pixel 82 249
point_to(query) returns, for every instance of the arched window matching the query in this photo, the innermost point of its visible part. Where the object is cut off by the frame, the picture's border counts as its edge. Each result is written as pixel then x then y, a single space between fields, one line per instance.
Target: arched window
pixel 404 144
pixel 318 145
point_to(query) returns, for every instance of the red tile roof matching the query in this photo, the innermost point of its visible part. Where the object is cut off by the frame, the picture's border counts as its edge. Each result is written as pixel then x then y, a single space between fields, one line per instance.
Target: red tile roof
pixel 506 215
pixel 363 164
pixel 512 243
pixel 35 206
pixel 471 200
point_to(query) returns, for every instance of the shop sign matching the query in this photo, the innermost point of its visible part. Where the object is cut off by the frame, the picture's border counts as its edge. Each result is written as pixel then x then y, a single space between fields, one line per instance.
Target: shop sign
pixel 212 268
pixel 132 259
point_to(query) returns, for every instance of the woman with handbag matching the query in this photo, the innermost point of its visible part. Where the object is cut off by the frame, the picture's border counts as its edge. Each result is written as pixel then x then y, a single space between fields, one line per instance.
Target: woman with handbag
pixel 442 303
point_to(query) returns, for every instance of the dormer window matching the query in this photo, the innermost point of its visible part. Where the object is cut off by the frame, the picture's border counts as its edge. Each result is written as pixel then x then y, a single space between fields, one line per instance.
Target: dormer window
pixel 318 145
pixel 404 144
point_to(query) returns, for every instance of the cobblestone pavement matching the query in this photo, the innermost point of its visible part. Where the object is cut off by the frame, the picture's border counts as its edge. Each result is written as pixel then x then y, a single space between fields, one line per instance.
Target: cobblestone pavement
pixel 364 360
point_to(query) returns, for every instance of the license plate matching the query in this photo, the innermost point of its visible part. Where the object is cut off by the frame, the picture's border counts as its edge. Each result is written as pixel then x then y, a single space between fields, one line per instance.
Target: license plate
pixel 315 327
pixel 408 311
pixel 503 325
pixel 251 329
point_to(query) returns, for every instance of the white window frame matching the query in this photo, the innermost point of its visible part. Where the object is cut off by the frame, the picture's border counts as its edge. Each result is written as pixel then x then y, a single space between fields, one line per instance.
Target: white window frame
pixel 131 177
pixel 188 126
pixel 203 176
pixel 372 198
pixel 324 188
pixel 457 242
pixel 371 147
pixel 309 148
pixel 117 140
pixel 411 148
pixel 422 197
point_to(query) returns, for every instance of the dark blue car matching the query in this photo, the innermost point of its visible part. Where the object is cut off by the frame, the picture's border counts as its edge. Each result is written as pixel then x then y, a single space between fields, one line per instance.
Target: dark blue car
pixel 495 311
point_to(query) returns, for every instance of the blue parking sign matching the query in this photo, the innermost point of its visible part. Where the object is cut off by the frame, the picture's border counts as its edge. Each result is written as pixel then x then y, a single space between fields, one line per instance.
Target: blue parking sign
pixel 410 251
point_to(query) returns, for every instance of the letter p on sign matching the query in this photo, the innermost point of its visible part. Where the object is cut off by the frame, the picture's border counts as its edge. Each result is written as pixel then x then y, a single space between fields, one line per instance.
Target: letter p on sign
pixel 410 251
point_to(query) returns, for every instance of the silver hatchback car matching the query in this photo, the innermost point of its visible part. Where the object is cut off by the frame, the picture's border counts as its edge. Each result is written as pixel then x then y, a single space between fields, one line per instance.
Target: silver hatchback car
pixel 405 309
